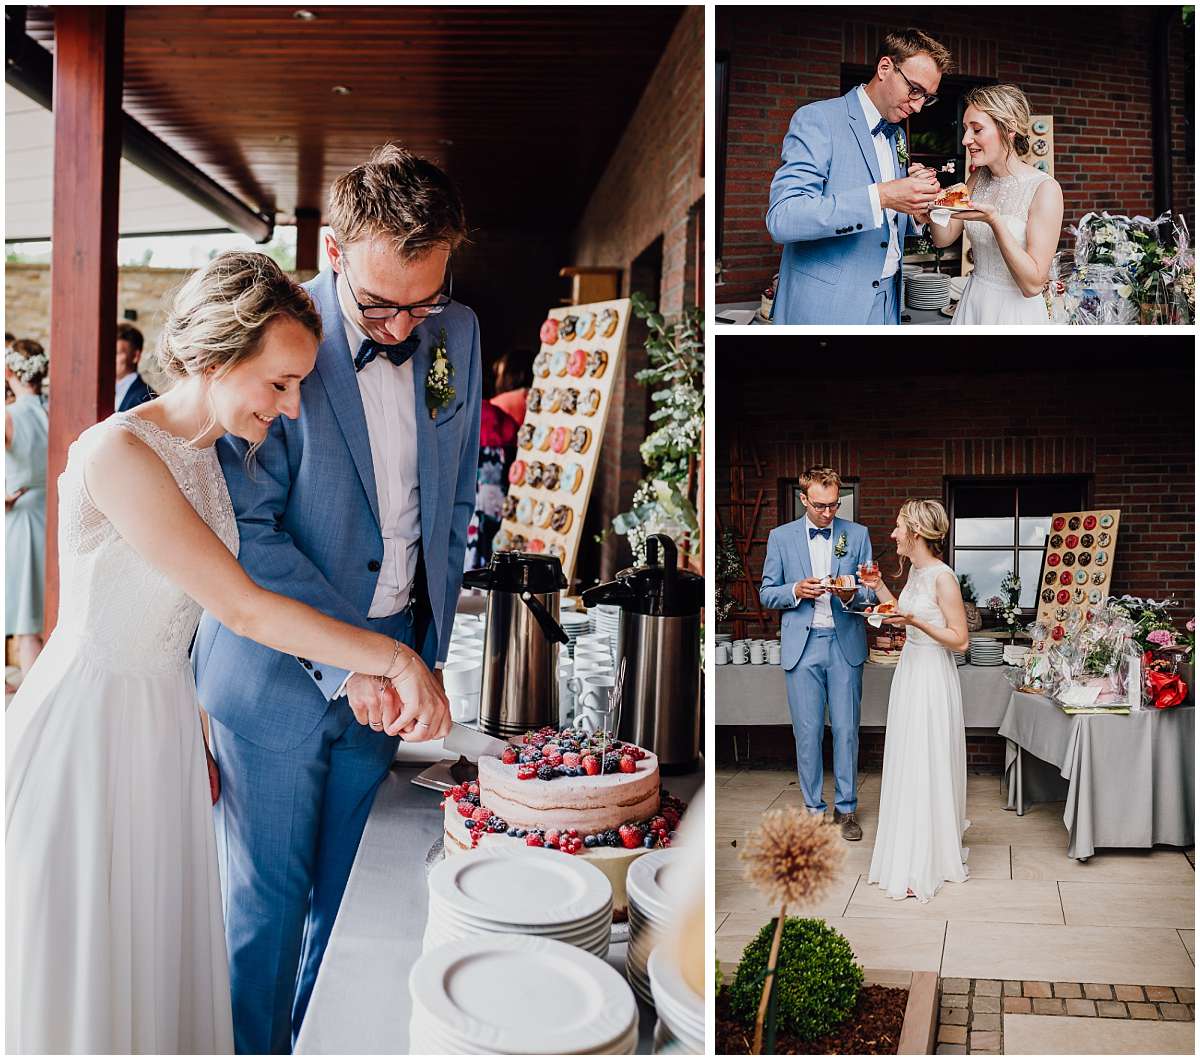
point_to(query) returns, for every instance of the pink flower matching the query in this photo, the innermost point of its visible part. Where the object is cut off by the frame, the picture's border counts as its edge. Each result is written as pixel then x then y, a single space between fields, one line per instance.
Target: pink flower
pixel 1191 625
pixel 1161 637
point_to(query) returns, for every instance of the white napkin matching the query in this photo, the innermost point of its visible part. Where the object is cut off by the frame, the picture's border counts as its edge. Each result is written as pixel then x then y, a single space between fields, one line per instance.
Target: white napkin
pixel 940 216
pixel 875 620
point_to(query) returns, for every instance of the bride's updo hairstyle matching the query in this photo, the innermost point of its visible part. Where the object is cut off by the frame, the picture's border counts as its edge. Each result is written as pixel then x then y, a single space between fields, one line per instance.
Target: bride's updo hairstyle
pixel 1007 106
pixel 219 315
pixel 927 519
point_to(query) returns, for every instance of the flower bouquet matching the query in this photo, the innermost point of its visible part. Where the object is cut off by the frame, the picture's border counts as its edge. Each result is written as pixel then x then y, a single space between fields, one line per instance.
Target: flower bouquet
pixel 1006 607
pixel 1166 653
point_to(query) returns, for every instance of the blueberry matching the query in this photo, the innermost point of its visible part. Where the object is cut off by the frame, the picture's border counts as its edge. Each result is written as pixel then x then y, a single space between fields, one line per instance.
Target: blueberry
pixel 520 833
pixel 513 832
pixel 650 840
pixel 469 823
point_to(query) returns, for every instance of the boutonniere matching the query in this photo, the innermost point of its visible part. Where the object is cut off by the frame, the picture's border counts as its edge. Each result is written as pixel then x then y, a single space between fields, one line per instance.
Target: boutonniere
pixel 839 549
pixel 901 149
pixel 439 390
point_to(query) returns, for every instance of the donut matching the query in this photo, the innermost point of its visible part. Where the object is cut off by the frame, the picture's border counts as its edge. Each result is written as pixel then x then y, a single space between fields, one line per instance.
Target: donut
pixel 541 364
pixel 555 400
pixel 1089 522
pixel 502 542
pixel 560 439
pixel 1054 559
pixel 549 332
pixel 581 438
pixel 1050 578
pixel 590 404
pixel 1056 541
pixel 1068 559
pixel 585 325
pixel 577 363
pixel 561 518
pixel 597 363
pixel 516 473
pixel 570 400
pixel 558 362
pixel 543 513
pixel 517 542
pixel 1057 633
pixel 536 545
pixel 525 511
pixel 1087 541
pixel 1074 522
pixel 509 508
pixel 572 477
pixel 534 475
pixel 1047 596
pixel 1059 522
pixel 551 475
pixel 533 403
pixel 1064 596
pixel 541 437
pixel 1072 541
pixel 566 328
pixel 1065 578
pixel 609 319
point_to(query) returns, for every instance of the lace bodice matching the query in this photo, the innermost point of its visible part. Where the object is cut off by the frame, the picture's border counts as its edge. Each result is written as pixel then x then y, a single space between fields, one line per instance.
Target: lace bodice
pixel 1012 196
pixel 919 599
pixel 132 616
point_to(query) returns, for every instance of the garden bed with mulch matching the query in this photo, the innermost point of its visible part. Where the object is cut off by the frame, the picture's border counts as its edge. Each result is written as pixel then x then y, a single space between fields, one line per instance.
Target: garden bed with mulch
pixel 873 1029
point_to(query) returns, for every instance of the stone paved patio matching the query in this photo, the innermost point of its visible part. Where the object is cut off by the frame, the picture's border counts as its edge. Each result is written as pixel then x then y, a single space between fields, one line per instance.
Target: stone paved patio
pixel 1037 953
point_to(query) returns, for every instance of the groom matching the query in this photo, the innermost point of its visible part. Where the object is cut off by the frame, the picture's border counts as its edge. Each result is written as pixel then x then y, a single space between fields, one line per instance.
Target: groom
pixel 841 203
pixel 360 508
pixel 823 647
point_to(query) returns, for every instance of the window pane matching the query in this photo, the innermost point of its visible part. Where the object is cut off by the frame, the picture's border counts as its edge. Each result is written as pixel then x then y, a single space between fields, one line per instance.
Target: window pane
pixel 1034 529
pixel 984 515
pixel 987 569
pixel 1031 571
pixel 1039 501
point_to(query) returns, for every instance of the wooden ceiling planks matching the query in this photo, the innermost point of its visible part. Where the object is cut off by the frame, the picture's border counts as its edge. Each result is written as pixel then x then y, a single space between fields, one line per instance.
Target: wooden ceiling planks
pixel 522 106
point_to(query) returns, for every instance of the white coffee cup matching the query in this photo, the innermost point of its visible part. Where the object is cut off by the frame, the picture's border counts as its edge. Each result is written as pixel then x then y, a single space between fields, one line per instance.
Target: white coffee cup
pixel 758 654
pixel 591 699
pixel 722 653
pixel 462 678
pixel 464 708
pixel 741 653
pixel 774 654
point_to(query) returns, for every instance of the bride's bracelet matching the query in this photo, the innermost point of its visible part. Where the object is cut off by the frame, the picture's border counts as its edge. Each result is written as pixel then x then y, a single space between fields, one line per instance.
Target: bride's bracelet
pixel 403 669
pixel 386 676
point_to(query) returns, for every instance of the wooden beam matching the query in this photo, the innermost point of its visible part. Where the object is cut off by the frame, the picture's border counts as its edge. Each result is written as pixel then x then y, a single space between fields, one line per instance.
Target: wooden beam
pixel 308 239
pixel 89 48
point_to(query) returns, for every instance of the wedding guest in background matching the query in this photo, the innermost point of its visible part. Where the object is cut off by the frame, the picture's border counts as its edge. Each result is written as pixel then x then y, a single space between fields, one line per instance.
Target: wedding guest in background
pixel 26 434
pixel 512 375
pixel 497 449
pixel 132 389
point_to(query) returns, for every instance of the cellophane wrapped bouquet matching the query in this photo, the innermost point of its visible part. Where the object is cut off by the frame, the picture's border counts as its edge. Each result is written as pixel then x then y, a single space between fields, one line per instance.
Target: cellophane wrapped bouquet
pixel 1095 664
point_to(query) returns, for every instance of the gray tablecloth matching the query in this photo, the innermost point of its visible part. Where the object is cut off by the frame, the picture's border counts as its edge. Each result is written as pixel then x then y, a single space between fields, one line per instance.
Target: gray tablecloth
pixel 360 1002
pixel 757 695
pixel 1127 780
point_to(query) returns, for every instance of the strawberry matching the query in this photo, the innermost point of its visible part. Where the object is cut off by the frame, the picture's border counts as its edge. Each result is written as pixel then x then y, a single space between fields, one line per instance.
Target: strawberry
pixel 533 840
pixel 628 765
pixel 591 765
pixel 465 808
pixel 658 824
pixel 509 756
pixel 473 788
pixel 631 836
pixel 527 771
pixel 551 839
pixel 480 813
pixel 570 758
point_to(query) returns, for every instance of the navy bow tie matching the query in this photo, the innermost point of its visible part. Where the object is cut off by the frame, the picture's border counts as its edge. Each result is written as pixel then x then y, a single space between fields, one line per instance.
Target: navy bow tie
pixel 397 354
pixel 886 127
pixel 822 532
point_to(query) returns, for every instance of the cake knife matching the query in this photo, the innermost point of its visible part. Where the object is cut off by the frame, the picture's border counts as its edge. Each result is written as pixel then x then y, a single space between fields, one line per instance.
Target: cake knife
pixel 463 740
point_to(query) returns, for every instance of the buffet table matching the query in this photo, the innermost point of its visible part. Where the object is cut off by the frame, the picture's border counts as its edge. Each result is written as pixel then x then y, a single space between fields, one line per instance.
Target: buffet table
pixel 360 1002
pixel 1127 778
pixel 752 694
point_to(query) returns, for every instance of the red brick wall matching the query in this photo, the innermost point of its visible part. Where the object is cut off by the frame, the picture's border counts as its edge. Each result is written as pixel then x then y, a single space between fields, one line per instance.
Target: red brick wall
pixel 646 192
pixel 1089 67
pixel 1118 410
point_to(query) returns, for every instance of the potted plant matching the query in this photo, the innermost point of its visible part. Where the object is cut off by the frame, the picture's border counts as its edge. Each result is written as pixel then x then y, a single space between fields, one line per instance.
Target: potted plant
pixel 729 570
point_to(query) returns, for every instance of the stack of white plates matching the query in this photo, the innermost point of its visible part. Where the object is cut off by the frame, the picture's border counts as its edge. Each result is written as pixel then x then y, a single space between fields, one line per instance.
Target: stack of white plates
pixel 573 623
pixel 520 890
pixel 960 658
pixel 1014 654
pixel 678 1006
pixel 910 270
pixel 927 290
pixel 519 995
pixel 651 899
pixel 604 619
pixel 986 652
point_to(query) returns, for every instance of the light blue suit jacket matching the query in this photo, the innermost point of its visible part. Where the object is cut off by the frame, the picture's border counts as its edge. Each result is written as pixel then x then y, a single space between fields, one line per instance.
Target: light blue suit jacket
pixel 788 562
pixel 308 520
pixel 820 210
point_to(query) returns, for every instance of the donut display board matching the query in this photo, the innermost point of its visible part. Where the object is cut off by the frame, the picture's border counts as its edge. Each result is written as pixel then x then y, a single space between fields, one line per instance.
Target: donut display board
pixel 558 445
pixel 1076 567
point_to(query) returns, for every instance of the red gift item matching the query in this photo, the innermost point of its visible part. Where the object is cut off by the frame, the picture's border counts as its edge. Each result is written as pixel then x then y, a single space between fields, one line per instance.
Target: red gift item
pixel 1072 541
pixel 1065 577
pixel 1057 633
pixel 1089 523
pixel 1059 522
pixel 1064 596
pixel 1053 559
pixel 1166 690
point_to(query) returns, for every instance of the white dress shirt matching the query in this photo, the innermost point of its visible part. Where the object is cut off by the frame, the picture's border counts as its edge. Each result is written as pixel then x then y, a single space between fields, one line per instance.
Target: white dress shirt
pixel 388 403
pixel 820 559
pixel 887 170
pixel 123 385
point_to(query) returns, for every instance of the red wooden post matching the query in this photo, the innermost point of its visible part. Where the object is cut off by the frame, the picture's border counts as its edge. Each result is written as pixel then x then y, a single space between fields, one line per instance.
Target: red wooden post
pixel 89 45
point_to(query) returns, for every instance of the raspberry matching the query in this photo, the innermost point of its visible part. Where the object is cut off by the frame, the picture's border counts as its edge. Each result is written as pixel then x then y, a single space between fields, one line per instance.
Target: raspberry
pixel 459 791
pixel 591 765
pixel 628 765
pixel 551 839
pixel 631 836
pixel 473 787
pixel 658 824
pixel 570 758
pixel 465 808
pixel 533 840
pixel 526 772
pixel 480 813
pixel 550 750
pixel 509 756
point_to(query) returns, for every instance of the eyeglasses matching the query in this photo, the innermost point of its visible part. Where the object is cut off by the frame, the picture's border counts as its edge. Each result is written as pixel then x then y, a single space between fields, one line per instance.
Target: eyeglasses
pixel 824 507
pixel 418 311
pixel 916 92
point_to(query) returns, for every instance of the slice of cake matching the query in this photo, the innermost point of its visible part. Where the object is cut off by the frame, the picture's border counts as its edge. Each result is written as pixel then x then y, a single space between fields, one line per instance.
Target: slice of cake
pixel 953 196
pixel 587 795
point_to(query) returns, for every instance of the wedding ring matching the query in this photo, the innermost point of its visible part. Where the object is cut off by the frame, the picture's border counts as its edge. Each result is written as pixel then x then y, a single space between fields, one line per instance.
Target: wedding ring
pixel 423 724
pixel 377 726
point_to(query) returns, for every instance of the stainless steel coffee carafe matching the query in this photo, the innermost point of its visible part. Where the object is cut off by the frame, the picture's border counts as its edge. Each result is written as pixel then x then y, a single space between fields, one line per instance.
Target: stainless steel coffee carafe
pixel 659 638
pixel 520 684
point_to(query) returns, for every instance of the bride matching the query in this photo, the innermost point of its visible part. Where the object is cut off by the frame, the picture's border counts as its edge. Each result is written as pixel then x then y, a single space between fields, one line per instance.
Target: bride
pixel 923 801
pixel 115 941
pixel 1016 214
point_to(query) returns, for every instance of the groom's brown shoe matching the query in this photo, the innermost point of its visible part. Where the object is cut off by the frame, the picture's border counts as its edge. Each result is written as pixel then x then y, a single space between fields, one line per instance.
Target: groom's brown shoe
pixel 851 831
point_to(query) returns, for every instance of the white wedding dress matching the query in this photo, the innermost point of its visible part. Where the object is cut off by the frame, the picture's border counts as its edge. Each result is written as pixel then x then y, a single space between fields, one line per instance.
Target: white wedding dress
pixel 114 935
pixel 923 800
pixel 991 295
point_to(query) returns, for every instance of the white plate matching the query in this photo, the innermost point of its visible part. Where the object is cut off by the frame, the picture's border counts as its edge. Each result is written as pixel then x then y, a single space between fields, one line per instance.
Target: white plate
pixel 445 919
pixel 676 1003
pixel 651 883
pixel 516 994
